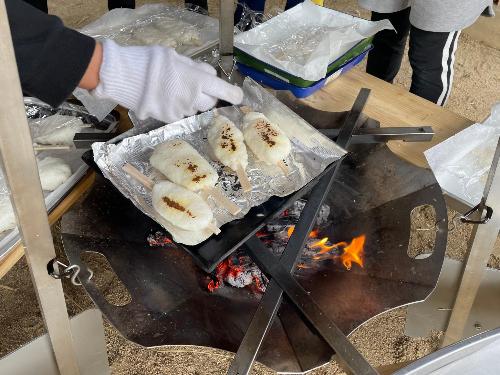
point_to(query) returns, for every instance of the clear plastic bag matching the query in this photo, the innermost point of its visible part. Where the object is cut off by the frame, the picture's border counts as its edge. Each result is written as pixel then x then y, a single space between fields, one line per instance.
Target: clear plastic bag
pixel 251 18
pixel 156 24
pixel 55 130
pixel 462 162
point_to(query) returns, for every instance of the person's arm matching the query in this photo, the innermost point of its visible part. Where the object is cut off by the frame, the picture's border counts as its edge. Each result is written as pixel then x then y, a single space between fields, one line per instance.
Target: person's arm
pixel 90 78
pixel 152 81
pixel 51 58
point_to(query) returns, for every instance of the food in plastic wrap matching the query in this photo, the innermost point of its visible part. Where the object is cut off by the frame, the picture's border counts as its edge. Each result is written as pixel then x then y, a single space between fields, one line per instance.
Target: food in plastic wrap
pixel 53 172
pixel 228 143
pixel 56 129
pixel 7 217
pixel 154 24
pixel 305 39
pixel 182 164
pixel 181 207
pixel 266 140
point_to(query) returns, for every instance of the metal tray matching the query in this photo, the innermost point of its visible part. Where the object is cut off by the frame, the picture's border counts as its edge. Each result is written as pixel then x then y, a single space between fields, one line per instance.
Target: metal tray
pixel 37 109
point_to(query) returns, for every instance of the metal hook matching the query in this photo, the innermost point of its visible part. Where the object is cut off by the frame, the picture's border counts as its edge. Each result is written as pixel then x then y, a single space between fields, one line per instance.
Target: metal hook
pixel 489 213
pixel 72 272
pixel 228 75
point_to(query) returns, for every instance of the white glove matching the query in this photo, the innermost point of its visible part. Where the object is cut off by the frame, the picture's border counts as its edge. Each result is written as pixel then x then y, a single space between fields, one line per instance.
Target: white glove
pixel 157 82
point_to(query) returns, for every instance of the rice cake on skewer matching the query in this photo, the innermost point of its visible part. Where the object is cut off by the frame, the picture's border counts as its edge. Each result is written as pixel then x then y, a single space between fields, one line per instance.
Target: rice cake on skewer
pixel 182 164
pixel 266 140
pixel 179 206
pixel 228 145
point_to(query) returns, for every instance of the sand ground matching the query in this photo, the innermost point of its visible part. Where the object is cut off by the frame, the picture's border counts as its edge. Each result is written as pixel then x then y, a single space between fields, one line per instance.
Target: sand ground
pixel 382 340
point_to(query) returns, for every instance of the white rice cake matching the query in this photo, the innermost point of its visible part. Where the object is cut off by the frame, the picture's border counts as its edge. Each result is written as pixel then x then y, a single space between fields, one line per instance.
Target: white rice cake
pixel 227 143
pixel 181 207
pixel 182 164
pixel 266 140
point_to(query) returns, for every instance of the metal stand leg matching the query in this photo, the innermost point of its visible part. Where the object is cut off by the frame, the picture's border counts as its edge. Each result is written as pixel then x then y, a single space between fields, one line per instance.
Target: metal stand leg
pixel 481 245
pixel 21 170
pixel 271 300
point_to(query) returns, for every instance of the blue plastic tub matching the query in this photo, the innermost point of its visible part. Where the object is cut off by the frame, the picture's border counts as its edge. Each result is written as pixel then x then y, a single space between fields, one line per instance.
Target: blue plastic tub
pixel 299 92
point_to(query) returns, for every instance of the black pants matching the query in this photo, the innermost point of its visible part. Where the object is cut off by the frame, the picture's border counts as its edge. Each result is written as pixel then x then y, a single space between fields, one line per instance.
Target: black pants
pixel 431 54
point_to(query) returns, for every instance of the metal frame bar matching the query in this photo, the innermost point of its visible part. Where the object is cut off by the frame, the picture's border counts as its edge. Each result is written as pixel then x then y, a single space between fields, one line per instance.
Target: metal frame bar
pixel 271 300
pixel 481 243
pixel 16 150
pixel 383 135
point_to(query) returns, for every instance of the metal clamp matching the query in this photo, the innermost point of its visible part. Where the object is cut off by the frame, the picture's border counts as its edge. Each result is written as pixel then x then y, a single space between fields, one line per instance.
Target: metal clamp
pixel 228 75
pixel 58 270
pixel 465 217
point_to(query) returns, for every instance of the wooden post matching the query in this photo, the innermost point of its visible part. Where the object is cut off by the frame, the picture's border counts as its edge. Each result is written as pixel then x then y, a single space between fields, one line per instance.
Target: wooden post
pixel 16 151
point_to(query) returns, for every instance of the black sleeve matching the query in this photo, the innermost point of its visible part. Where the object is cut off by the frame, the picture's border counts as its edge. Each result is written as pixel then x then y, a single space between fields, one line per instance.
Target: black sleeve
pixel 51 58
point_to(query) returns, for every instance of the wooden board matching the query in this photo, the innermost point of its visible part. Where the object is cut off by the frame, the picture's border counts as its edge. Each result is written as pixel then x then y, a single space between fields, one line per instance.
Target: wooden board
pixel 18 251
pixel 392 106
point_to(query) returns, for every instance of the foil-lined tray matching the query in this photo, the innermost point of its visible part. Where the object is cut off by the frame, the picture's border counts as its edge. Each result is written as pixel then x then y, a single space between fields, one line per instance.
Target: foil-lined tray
pixel 311 154
pixel 36 109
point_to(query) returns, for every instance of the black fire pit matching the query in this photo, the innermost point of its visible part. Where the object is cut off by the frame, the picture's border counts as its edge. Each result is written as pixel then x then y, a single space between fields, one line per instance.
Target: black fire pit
pixel 372 196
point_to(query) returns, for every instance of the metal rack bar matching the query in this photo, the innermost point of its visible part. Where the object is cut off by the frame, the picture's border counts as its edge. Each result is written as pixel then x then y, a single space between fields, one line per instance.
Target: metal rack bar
pixel 483 239
pixel 271 300
pixel 383 135
pixel 22 178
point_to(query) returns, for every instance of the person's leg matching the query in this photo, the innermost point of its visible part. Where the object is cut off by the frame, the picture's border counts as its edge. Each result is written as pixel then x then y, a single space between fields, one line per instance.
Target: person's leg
pixel 40 4
pixel 112 4
pixel 384 60
pixel 291 3
pixel 432 56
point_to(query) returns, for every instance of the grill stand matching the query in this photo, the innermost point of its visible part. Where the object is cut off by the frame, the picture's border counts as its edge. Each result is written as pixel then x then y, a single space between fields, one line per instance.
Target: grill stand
pixel 280 278
pixel 171 306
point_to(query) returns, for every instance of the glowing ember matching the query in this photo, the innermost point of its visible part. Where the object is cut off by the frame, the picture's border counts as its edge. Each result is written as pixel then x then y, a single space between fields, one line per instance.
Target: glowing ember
pixel 159 239
pixel 240 271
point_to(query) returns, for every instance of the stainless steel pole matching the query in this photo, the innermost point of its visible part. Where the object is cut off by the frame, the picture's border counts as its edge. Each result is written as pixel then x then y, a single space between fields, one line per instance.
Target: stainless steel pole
pixel 21 170
pixel 226 37
pixel 481 244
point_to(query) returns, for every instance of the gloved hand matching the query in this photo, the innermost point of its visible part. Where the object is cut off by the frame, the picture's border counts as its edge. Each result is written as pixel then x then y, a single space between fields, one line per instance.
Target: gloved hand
pixel 157 82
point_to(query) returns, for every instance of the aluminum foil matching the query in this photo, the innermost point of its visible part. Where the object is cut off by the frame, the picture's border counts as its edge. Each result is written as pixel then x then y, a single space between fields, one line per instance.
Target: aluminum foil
pixel 311 154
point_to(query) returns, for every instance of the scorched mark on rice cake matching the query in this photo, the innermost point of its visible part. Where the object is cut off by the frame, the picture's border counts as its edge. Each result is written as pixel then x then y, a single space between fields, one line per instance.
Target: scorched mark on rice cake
pixel 176 206
pixel 266 132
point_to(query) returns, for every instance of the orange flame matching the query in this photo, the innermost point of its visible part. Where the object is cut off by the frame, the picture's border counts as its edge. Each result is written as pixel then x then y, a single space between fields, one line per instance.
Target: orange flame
pixel 353 253
pixel 289 231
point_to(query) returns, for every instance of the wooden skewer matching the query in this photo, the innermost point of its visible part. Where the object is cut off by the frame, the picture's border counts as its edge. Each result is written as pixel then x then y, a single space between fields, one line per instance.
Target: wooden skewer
pixel 149 184
pixel 51 147
pixel 243 177
pixel 245 109
pixel 141 178
pixel 284 167
pixel 221 199
pixel 213 228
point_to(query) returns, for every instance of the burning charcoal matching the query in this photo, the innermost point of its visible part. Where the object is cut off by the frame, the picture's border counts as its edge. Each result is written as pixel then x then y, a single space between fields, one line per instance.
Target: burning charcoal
pixel 159 239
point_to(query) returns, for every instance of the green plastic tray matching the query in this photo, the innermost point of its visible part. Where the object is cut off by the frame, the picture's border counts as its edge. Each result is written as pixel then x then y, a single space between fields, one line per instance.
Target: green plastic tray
pixel 259 65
